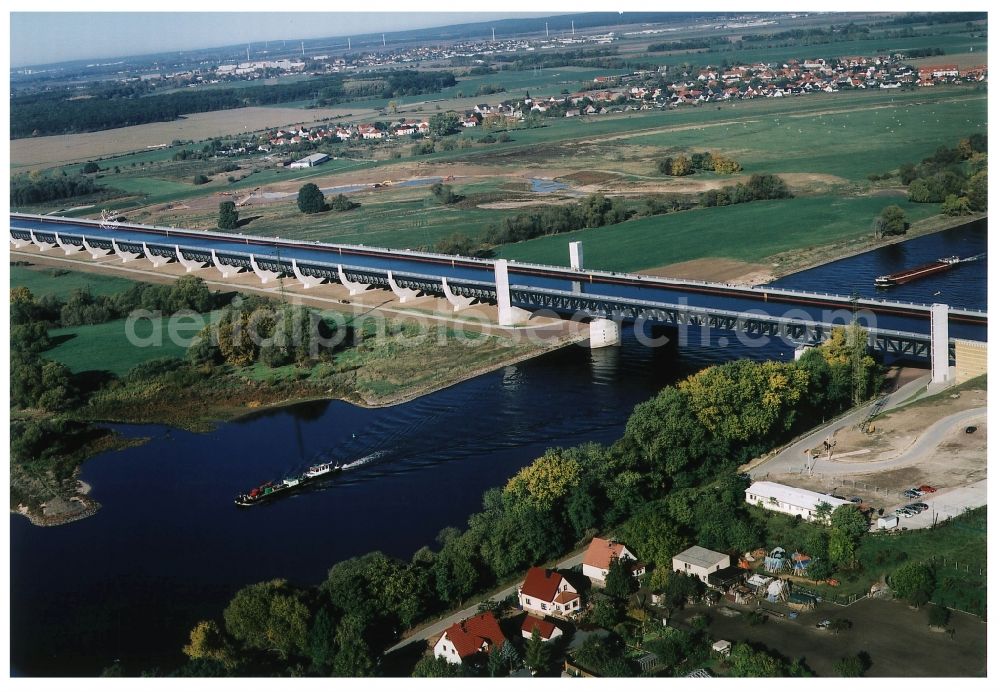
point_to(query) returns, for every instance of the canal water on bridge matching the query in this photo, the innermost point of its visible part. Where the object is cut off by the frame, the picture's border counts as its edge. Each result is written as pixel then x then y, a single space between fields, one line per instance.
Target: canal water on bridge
pixel 170 548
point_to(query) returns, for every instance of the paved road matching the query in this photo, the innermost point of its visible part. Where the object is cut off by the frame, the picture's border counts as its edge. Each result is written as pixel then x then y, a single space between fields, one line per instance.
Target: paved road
pixel 924 446
pixel 443 624
pixel 792 457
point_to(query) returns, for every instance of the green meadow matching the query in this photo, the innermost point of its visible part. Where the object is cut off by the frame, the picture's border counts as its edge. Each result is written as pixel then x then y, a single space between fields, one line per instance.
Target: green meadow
pixel 61 282
pixel 748 232
pixel 106 346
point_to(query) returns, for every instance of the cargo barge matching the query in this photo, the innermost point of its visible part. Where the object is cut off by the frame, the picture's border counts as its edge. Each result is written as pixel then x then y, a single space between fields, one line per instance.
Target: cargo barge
pixel 271 489
pixel 914 273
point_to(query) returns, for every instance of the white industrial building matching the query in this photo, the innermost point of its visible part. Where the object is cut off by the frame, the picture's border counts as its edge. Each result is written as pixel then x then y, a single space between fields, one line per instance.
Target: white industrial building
pixel 311 160
pixel 700 562
pixel 788 500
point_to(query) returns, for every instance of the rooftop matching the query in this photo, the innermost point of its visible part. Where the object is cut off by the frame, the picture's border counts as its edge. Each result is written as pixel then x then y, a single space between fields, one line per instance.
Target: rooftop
pixel 700 557
pixel 797 497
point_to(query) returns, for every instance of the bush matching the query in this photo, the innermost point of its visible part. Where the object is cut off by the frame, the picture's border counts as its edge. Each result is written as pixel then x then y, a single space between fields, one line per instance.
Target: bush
pixel 200 179
pixel 938 616
pixel 91 167
pixel 311 199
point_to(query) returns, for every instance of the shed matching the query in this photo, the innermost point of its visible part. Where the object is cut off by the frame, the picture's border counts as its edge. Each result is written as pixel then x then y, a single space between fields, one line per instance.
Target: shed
pixel 776 560
pixel 889 522
pixel 726 577
pixel 722 647
pixel 777 590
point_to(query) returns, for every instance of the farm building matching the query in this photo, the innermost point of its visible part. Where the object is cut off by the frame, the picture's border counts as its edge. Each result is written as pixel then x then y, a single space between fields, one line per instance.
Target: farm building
pixel 788 500
pixel 700 562
pixel 310 161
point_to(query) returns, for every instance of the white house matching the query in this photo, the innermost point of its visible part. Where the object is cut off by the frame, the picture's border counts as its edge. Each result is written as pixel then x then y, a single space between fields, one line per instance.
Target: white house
pixel 788 500
pixel 600 553
pixel 546 592
pixel 472 637
pixel 700 562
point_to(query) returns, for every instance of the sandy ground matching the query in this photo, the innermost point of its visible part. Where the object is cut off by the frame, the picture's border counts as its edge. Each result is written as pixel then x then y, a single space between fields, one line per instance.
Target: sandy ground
pixel 958 460
pixel 718 269
pixel 38 152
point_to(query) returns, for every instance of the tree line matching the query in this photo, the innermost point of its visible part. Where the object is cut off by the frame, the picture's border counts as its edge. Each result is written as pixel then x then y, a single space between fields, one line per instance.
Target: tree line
pixel 27 190
pixel 955 177
pixel 593 212
pixel 668 482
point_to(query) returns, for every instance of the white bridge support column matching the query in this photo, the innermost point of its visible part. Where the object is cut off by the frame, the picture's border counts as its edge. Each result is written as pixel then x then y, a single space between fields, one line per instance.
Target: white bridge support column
pixel 189 265
pixel 126 256
pixel 69 248
pixel 576 254
pixel 226 270
pixel 263 274
pixel 353 287
pixel 507 314
pixel 42 246
pixel 307 281
pixel 18 243
pixel 940 372
pixel 405 295
pixel 157 260
pixel 459 303
pixel 605 333
pixel 95 252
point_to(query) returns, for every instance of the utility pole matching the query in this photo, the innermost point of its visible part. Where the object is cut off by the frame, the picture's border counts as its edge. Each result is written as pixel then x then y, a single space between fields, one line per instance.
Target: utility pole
pixel 546 29
pixel 248 52
pixel 302 45
pixel 383 40
pixel 348 43
pixel 853 338
pixel 494 35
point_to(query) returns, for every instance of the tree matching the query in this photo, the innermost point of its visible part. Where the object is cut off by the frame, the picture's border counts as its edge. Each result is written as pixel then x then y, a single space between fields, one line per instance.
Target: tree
pixel 954 205
pixel 434 667
pixel 850 520
pixel 269 616
pixel 208 642
pixel 680 166
pixel 842 548
pixel 444 193
pixel 619 583
pixel 547 480
pixel 938 616
pixel 353 658
pixel 228 216
pixel 537 654
pixel 890 221
pixel 311 199
pixel 750 663
pixel 851 666
pixel 819 569
pixel 322 646
pixel 443 124
pixel 343 203
pixel 91 167
pixel 914 582
pixel 200 179
pixel 823 511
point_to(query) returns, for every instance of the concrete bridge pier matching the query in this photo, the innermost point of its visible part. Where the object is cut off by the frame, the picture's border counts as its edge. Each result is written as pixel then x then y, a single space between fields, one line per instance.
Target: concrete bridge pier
pixel 405 295
pixel 459 303
pixel 353 287
pixel 263 274
pixel 507 314
pixel 68 248
pixel 189 265
pixel 226 270
pixel 307 281
pixel 95 252
pixel 126 256
pixel 18 243
pixel 940 372
pixel 157 260
pixel 42 246
pixel 576 262
pixel 605 333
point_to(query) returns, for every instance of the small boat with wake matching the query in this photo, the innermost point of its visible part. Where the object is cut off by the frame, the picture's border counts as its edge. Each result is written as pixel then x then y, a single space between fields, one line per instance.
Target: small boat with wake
pixel 271 489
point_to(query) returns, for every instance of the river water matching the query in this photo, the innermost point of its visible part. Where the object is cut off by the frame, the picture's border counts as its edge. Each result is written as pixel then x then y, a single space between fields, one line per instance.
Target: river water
pixel 169 547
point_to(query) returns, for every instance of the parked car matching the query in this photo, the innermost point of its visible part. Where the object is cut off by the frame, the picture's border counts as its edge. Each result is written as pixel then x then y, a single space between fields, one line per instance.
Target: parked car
pixel 910 494
pixel 856 500
pixel 970 429
pixel 903 512
pixel 916 491
pixel 823 624
pixel 927 489
pixel 919 505
pixel 914 509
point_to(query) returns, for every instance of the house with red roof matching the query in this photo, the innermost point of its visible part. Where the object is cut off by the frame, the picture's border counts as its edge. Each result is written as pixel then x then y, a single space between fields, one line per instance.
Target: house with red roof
pixel 471 637
pixel 546 592
pixel 546 630
pixel 600 553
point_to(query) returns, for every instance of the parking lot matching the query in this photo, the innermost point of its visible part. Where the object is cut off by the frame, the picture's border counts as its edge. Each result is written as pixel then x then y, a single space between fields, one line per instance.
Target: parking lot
pixel 941 505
